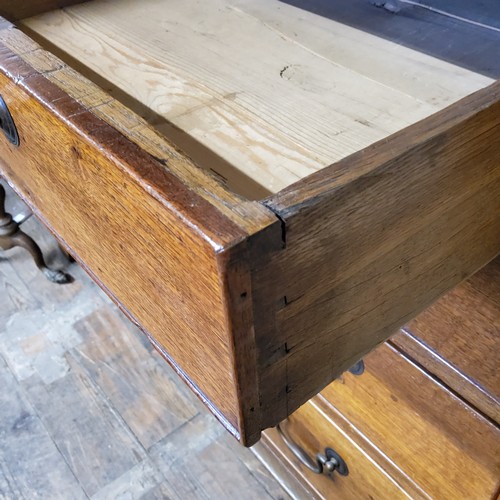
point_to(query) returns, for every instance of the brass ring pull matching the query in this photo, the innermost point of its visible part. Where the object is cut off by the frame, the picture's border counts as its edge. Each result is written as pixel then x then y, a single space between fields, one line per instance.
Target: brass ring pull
pixel 327 463
pixel 7 123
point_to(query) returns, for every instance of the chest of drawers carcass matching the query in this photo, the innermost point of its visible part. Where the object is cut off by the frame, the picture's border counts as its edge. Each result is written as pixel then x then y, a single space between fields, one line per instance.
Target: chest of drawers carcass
pixel 268 209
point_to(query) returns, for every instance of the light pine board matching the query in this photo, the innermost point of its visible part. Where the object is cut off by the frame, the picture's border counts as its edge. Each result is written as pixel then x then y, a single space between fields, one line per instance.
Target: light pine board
pixel 89 410
pixel 275 91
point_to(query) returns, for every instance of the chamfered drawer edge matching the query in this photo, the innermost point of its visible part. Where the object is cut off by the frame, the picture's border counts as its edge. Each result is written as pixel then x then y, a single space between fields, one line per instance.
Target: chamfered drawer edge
pixel 280 334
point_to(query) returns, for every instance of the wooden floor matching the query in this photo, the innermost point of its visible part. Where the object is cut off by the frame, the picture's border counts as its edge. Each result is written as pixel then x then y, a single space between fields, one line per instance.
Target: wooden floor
pixel 89 410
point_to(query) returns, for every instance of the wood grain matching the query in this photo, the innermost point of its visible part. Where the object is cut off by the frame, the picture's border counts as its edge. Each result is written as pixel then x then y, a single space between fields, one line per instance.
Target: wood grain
pixel 373 240
pixel 384 406
pixel 460 32
pixel 324 90
pixel 257 305
pixel 424 443
pixel 200 178
pixel 15 9
pixel 129 377
pixel 280 469
pixel 78 433
pixel 315 430
pixel 140 232
pixel 212 465
pixel 457 337
pixel 21 463
pixel 128 407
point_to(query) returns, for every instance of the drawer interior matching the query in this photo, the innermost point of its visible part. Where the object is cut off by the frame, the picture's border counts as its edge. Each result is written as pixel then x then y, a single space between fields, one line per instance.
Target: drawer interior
pixel 261 92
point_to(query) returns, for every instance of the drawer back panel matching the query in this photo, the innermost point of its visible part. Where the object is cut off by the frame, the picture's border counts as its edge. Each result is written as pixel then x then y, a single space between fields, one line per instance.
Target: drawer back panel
pixel 16 9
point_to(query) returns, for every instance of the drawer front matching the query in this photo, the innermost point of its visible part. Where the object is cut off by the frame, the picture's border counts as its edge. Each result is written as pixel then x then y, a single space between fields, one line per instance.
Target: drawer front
pixel 170 259
pixel 430 435
pixel 247 307
pixel 439 339
pixel 400 433
pixel 313 430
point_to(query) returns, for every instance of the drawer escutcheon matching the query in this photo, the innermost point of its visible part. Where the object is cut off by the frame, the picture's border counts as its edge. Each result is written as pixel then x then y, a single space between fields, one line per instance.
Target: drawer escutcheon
pixel 7 124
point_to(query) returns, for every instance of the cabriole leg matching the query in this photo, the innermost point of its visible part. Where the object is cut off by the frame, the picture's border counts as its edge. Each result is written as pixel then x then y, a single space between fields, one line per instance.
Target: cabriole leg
pixel 12 236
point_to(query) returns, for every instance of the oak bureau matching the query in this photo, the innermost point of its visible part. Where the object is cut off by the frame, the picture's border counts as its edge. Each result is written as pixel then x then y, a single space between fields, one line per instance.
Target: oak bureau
pixel 267 192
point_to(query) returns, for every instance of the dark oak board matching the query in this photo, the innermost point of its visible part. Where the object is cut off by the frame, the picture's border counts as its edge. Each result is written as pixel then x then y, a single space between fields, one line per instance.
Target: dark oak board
pixel 257 305
pixel 373 240
pixel 19 9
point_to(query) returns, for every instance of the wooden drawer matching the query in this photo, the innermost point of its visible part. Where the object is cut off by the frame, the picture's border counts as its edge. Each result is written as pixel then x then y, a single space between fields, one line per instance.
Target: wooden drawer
pixel 315 429
pixel 400 432
pixel 258 295
pixel 439 340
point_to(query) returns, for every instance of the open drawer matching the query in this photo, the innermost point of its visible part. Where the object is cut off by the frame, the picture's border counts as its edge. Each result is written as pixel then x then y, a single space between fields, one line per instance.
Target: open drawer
pixel 268 193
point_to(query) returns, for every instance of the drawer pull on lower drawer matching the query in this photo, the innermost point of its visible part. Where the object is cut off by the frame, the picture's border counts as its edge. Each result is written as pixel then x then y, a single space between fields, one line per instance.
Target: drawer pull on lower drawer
pixel 7 123
pixel 358 368
pixel 327 463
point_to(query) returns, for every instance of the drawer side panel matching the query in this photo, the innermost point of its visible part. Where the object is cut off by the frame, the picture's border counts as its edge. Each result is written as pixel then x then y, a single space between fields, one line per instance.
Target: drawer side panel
pixel 376 238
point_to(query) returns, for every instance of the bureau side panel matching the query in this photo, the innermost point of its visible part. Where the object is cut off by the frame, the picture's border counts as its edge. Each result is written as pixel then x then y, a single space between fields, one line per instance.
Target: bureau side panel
pixel 373 240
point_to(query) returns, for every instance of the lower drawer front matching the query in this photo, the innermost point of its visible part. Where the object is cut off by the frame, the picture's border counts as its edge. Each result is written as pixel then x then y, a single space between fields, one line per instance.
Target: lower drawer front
pixel 400 433
pixel 314 430
pixel 444 331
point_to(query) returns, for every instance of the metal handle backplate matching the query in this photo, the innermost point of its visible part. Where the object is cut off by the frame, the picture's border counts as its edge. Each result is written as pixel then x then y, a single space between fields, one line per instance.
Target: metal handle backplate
pixel 7 123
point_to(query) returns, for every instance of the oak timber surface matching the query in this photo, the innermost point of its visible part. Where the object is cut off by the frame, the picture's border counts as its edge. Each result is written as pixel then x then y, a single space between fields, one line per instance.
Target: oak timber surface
pixel 123 269
pixel 398 441
pixel 407 413
pixel 273 90
pixel 429 433
pixel 374 240
pixel 458 340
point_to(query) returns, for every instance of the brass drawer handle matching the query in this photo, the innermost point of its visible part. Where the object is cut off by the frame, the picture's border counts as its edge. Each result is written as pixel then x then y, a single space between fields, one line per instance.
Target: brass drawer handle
pixel 7 123
pixel 327 463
